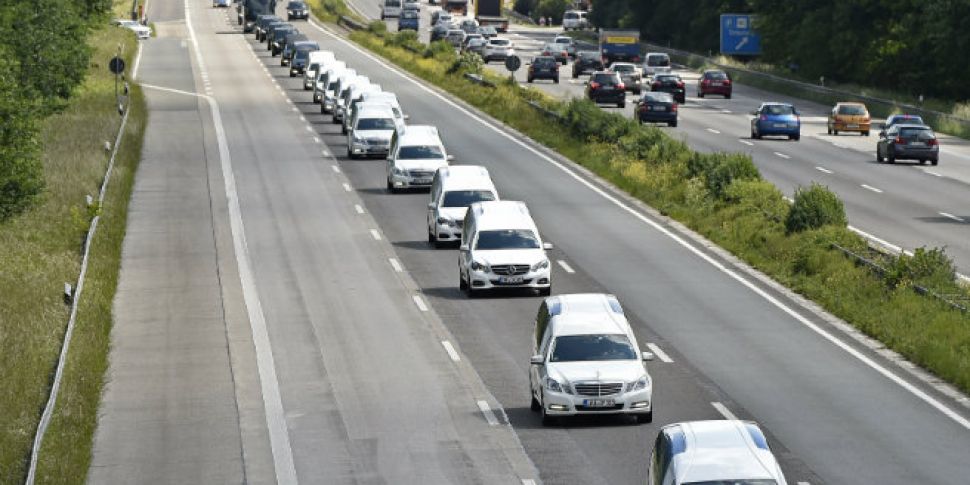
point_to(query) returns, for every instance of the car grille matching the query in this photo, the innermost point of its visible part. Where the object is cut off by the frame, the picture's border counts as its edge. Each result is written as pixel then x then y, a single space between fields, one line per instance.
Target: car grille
pixel 421 173
pixel 588 409
pixel 510 269
pixel 597 389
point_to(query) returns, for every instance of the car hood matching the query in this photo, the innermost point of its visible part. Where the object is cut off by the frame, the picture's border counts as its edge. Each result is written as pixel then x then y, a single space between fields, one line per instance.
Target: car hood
pixel 596 371
pixel 432 164
pixel 383 135
pixel 510 256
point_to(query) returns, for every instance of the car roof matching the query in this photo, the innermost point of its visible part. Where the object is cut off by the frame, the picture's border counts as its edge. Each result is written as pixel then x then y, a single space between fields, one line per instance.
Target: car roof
pixel 502 214
pixel 583 303
pixel 721 450
pixel 465 177
pixel 777 103
pixel 374 109
pixel 420 135
pixel 658 54
pixel 588 324
pixel 380 97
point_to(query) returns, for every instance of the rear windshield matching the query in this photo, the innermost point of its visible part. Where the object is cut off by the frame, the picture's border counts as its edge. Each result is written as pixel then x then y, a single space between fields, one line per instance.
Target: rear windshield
pixel 571 15
pixel 499 42
pixel 464 198
pixel 921 133
pixel 365 124
pixel 544 61
pixel 658 61
pixel 420 152
pixel 507 239
pixel 668 79
pixel 392 3
pixel 578 348
pixel 409 14
pixel 589 55
pixel 604 78
pixel 658 97
pixel 624 68
pixel 852 110
pixel 779 109
pixel 717 76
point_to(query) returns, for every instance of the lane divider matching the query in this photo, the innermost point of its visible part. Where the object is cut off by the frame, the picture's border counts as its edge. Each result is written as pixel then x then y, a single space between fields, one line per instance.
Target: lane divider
pixel 782 155
pixel 396 265
pixel 871 188
pixel 721 408
pixel 659 353
pixel 712 130
pixel 419 302
pixel 358 208
pixel 823 170
pixel 565 266
pixel 376 235
pixel 487 412
pixel 450 349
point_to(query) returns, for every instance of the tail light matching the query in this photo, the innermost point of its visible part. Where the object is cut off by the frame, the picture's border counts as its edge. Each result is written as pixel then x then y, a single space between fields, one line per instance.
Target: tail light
pixel 656 84
pixel 565 54
pixel 620 86
pixel 706 82
pixel 933 142
pixel 636 58
pixel 680 84
pixel 727 82
pixel 900 140
pixel 673 108
pixel 594 85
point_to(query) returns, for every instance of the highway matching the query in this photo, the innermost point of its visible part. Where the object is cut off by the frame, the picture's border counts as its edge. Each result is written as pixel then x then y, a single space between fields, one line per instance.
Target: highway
pixel 334 305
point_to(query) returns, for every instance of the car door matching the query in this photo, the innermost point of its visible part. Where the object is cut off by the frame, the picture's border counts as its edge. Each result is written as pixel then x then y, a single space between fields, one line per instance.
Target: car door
pixel 538 371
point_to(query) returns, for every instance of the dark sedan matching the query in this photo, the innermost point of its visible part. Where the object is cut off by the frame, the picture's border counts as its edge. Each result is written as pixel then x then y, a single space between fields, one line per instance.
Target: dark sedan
pixel 606 87
pixel 544 67
pixel 556 50
pixel 278 37
pixel 670 83
pixel 587 61
pixel 908 142
pixel 288 46
pixel 656 108
pixel 297 10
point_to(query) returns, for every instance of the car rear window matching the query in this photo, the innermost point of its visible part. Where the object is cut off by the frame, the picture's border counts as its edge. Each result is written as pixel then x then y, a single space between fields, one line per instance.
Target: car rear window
pixel 543 61
pixel 852 110
pixel 500 42
pixel 624 67
pixel 465 198
pixel 658 61
pixel 605 78
pixel 579 348
pixel 571 15
pixel 409 14
pixel 507 239
pixel 716 76
pixel 658 97
pixel 668 79
pixel 921 133
pixel 779 109
pixel 420 152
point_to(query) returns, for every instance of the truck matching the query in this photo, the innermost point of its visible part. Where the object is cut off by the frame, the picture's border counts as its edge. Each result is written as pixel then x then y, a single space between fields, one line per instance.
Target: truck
pixel 459 7
pixel 619 45
pixel 248 10
pixel 489 12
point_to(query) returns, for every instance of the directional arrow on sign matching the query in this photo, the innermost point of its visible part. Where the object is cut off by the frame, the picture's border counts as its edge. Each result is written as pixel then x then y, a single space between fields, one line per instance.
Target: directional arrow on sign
pixel 744 40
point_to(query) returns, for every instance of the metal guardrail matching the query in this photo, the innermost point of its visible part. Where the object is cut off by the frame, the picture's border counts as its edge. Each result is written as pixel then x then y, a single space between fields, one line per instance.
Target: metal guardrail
pixel 350 23
pixel 478 79
pixel 542 109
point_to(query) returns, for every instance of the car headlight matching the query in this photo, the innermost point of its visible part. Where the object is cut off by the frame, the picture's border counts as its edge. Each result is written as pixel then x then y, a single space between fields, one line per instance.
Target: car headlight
pixel 359 140
pixel 639 384
pixel 446 221
pixel 540 265
pixel 476 266
pixel 554 385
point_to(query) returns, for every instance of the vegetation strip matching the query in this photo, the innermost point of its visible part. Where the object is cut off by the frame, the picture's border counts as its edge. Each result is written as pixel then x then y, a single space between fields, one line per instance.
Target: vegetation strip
pixel 723 197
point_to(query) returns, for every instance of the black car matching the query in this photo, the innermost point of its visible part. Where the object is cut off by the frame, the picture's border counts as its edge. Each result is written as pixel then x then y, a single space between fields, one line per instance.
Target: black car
pixel 278 37
pixel 289 46
pixel 606 87
pixel 670 83
pixel 587 61
pixel 297 10
pixel 267 30
pixel 300 55
pixel 656 107
pixel 261 22
pixel 439 31
pixel 908 142
pixel 544 67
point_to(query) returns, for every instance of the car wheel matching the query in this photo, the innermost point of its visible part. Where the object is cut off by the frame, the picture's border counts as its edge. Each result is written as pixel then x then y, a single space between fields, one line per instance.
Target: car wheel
pixel 796 137
pixel 828 130
pixel 547 420
pixel 672 124
pixel 865 133
pixel 343 129
pixel 922 162
pixel 350 154
pixel 390 187
pixel 700 94
pixel 534 405
pixel 645 418
pixel 878 157
pixel 727 96
pixel 755 135
pixel 545 291
pixel 621 104
pixel 529 80
pixel 890 158
pixel 556 80
pixel 462 286
pixel 934 162
pixel 835 132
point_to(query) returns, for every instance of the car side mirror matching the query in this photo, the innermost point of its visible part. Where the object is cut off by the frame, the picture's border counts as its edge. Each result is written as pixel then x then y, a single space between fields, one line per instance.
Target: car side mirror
pixel 547 246
pixel 463 247
pixel 451 158
pixel 646 356
pixel 537 360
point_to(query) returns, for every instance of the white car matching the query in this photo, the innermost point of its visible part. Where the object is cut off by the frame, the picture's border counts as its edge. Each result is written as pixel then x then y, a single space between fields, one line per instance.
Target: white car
pixel 721 452
pixel 586 360
pixel 372 129
pixel 656 63
pixel 452 191
pixel 414 157
pixel 317 62
pixel 497 49
pixel 501 248
pixel 369 98
pixel 331 97
pixel 327 81
pixel 575 20
pixel 142 32
pixel 354 94
pixel 567 43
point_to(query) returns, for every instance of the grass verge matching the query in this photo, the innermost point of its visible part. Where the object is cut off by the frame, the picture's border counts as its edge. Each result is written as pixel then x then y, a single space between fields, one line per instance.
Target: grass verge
pixel 722 197
pixel 40 250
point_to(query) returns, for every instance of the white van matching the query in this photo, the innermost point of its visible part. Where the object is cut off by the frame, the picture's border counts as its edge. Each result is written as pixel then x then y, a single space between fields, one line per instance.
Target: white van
pixel 574 19
pixel 414 157
pixel 353 95
pixel 372 130
pixel 501 248
pixel 329 101
pixel 327 77
pixel 390 8
pixel 314 64
pixel 585 360
pixel 453 189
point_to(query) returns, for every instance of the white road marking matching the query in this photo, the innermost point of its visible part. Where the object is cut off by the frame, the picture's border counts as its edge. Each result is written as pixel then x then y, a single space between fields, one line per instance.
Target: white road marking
pixel 316 139
pixel 869 187
pixel 302 118
pixel 309 129
pixel 823 170
pixel 376 235
pixel 528 481
pixel 134 70
pixel 726 111
pixel 883 242
pixel 487 411
pixel 295 110
pixel 912 389
pixel 335 168
pixel 566 267
pixel 347 187
pixel 659 353
pixel 724 411
pixel 782 155
pixel 951 216
pixel 450 349
pixel 712 130
pixel 325 153
pixel 397 266
pixel 279 437
pixel 746 142
pixel 803 483
pixel 419 302
pixel 935 174
pixel 358 208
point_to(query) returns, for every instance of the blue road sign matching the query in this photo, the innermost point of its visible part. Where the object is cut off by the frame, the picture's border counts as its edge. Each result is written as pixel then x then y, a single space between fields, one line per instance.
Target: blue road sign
pixel 738 38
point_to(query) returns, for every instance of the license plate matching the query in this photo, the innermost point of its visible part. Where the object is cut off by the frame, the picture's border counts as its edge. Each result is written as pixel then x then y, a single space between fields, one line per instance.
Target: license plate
pixel 599 403
pixel 852 125
pixel 658 108
pixel 918 144
pixel 511 280
pixel 421 181
pixel 780 125
pixel 717 84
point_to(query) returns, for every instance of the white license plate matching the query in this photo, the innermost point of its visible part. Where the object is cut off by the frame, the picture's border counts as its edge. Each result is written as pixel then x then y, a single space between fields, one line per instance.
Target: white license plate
pixel 658 108
pixel 599 403
pixel 511 280
pixel 918 144
pixel 852 125
pixel 780 125
pixel 716 84
pixel 421 181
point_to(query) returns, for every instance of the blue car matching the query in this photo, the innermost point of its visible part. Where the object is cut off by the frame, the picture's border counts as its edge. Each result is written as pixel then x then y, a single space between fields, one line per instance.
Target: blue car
pixel 776 119
pixel 409 19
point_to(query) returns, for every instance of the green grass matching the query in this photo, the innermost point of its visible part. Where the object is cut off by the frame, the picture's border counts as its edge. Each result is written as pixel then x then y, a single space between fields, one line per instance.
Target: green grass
pixel 40 250
pixel 747 219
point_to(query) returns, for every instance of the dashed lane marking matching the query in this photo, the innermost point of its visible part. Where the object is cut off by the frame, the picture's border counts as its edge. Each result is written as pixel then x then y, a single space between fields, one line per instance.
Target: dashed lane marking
pixel 823 170
pixel 396 265
pixel 659 353
pixel 871 188
pixel 419 302
pixel 746 142
pixel 565 266
pixel 951 216
pixel 724 411
pixel 376 235
pixel 450 349
pixel 487 411
pixel 347 187
pixel 712 130
pixel 358 208
pixel 782 155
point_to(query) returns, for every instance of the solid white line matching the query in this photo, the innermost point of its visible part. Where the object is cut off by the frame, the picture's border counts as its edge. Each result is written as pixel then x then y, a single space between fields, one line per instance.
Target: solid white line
pixel 335 168
pixel 951 216
pixel 309 129
pixel 376 235
pixel 679 240
pixel 823 170
pixel 358 208
pixel 782 155
pixel 279 437
pixel 659 353
pixel 724 411
pixel 528 481
pixel 397 266
pixel 803 483
pixel 134 69
pixel 566 267
pixel 450 349
pixel 712 130
pixel 295 110
pixel 883 242
pixel 325 153
pixel 487 411
pixel 316 139
pixel 869 187
pixel 419 302
pixel 347 187
pixel 746 142
pixel 302 118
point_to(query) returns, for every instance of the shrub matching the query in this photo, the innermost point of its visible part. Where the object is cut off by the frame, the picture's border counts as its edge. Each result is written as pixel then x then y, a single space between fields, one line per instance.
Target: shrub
pixel 467 62
pixel 21 171
pixel 378 28
pixel 407 39
pixel 585 119
pixel 814 207
pixel 758 196
pixel 927 267
pixel 552 9
pixel 727 168
pixel 441 50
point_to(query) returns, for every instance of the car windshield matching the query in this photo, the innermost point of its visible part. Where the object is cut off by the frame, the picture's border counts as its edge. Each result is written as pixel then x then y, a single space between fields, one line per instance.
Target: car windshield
pixel 420 152
pixel 623 67
pixel 658 61
pixel 507 239
pixel 779 109
pixel 579 348
pixel 499 42
pixel 764 481
pixel 464 198
pixel 716 76
pixel 365 124
pixel 852 109
pixel 570 15
pixel 392 3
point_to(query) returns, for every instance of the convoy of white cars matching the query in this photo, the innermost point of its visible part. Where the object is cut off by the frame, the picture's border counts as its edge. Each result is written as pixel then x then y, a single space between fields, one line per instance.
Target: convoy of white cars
pixel 586 358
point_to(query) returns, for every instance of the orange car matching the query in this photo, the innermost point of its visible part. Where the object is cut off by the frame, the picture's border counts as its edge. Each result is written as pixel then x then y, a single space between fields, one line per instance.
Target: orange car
pixel 849 117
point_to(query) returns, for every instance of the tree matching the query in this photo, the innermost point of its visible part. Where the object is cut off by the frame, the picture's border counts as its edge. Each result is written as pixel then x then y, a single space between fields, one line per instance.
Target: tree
pixel 21 172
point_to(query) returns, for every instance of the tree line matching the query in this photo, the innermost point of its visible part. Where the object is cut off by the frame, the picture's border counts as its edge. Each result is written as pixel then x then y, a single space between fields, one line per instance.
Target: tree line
pixel 907 45
pixel 43 58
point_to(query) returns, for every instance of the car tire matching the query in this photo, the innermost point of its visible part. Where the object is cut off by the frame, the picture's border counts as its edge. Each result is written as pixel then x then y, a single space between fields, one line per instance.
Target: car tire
pixel 727 96
pixel 878 157
pixel 835 132
pixel 700 94
pixel 343 129
pixel 545 291
pixel 575 75
pixel 890 158
pixel 922 161
pixel 529 80
pixel 934 162
pixel 556 80
pixel 390 187
pixel 865 133
pixel 672 124
pixel 534 405
pixel 755 136
pixel 621 104
pixel 828 130
pixel 796 137
pixel 547 420
pixel 462 286
pixel 644 418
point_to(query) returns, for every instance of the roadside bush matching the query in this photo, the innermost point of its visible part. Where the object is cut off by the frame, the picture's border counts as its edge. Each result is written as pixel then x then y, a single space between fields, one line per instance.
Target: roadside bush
pixel 21 171
pixel 758 196
pixel 927 267
pixel 814 207
pixel 585 119
pixel 407 39
pixel 729 167
pixel 552 9
pixel 467 62
pixel 441 50
pixel 378 28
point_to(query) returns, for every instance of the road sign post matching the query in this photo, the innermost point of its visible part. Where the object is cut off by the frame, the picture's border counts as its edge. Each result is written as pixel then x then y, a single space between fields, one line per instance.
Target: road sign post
pixel 738 37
